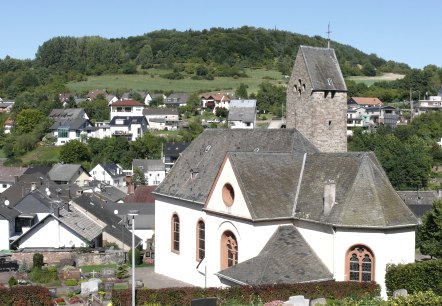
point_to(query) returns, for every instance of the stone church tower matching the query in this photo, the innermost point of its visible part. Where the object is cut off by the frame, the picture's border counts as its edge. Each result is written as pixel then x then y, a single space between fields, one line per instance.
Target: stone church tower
pixel 317 99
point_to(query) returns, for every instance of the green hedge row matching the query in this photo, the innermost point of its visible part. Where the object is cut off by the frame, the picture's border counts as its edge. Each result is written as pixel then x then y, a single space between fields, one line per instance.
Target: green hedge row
pixel 25 295
pixel 415 277
pixel 247 294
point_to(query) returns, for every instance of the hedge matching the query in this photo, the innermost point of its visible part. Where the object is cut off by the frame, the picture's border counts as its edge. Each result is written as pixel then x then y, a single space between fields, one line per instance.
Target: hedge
pixel 247 294
pixel 25 295
pixel 415 277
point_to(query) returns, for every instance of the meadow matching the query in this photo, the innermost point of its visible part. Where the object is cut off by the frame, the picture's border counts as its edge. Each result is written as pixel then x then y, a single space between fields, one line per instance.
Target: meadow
pixel 152 81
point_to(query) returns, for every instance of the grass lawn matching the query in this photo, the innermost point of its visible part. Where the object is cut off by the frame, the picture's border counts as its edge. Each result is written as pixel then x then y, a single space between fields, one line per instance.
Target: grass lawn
pixel 42 154
pixel 152 81
pixel 371 80
pixel 96 268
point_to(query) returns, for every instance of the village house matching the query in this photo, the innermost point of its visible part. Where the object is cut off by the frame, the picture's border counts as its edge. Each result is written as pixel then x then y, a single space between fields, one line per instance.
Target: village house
pixel 266 206
pixel 162 118
pixel 242 114
pixel 154 170
pixel 126 108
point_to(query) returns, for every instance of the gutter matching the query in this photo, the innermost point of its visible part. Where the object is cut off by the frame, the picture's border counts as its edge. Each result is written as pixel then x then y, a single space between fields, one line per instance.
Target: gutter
pixel 231 279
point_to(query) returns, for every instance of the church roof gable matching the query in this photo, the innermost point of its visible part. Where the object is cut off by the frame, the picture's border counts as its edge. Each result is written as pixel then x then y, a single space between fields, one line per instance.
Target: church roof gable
pixel 192 176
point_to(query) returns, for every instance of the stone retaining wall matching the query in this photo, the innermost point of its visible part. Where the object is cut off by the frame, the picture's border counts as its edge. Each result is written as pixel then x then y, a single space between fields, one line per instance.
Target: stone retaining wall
pixel 70 257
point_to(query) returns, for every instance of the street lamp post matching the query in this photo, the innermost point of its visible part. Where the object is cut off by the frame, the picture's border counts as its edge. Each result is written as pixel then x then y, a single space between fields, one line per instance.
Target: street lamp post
pixel 411 102
pixel 133 213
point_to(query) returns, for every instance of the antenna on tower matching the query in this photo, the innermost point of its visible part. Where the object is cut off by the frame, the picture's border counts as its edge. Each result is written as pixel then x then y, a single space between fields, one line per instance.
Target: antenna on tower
pixel 328 35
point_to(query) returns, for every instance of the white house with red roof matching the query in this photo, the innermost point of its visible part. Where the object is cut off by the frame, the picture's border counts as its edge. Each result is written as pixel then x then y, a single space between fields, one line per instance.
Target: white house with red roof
pixel 213 101
pixel 126 108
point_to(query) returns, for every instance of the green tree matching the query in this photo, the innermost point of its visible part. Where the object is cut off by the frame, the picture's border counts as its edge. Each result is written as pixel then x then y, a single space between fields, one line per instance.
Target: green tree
pixel 429 233
pixel 73 152
pixel 241 91
pixel 27 120
pixel 37 260
pixel 269 95
pixel 138 177
pixel 148 146
pixel 145 57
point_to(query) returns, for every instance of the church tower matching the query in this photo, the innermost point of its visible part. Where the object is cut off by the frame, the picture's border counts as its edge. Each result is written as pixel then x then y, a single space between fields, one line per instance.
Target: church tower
pixel 317 99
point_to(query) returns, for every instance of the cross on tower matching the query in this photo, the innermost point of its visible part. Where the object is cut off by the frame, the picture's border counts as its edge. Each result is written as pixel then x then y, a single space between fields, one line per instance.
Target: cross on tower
pixel 328 35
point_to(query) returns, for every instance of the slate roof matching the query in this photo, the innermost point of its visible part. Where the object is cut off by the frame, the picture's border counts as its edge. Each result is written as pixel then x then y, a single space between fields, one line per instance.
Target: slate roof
pixel 112 169
pixel 64 172
pixel 72 124
pixel 10 174
pixel 206 153
pixel 127 103
pixel 99 209
pixel 173 149
pixel 323 68
pixel 24 184
pixel 160 112
pixel 420 201
pixel 128 120
pixel 268 165
pixel 8 212
pixel 286 258
pixel 77 221
pixel 67 113
pixel 146 213
pixel 178 97
pixel 244 114
pixel 364 195
pixel 106 192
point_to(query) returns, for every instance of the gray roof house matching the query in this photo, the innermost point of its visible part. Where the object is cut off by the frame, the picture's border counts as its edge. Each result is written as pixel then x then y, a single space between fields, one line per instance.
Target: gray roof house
pixel 242 114
pixel 69 174
pixel 65 130
pixel 177 99
pixel 68 113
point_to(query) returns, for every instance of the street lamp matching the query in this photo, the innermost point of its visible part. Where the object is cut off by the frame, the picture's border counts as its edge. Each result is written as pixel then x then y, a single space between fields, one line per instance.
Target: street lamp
pixel 411 102
pixel 133 213
pixel 124 220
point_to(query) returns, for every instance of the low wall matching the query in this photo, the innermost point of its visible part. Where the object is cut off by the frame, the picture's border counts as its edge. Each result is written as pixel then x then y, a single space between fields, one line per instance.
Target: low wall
pixel 70 257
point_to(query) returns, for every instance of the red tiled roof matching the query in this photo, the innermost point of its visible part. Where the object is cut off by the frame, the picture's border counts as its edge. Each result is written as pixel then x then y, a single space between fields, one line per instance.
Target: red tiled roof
pixel 127 103
pixel 143 194
pixel 367 101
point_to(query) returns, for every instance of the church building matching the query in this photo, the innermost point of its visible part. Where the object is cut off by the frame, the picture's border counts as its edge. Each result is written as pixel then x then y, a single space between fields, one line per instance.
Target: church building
pixel 265 206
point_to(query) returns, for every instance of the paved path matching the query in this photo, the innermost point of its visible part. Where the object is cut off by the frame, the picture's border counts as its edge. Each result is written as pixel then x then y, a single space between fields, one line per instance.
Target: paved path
pixel 154 280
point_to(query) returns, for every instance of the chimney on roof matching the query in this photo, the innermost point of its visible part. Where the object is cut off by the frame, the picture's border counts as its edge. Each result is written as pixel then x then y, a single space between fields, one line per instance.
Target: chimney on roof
pixel 57 211
pixel 130 185
pixel 67 206
pixel 329 196
pixel 33 186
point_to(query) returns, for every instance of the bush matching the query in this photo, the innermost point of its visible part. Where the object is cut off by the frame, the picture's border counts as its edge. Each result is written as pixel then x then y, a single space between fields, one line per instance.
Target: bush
pixel 44 276
pixel 71 282
pixel 415 277
pixel 37 260
pixel 12 281
pixel 137 256
pixel 428 298
pixel 251 295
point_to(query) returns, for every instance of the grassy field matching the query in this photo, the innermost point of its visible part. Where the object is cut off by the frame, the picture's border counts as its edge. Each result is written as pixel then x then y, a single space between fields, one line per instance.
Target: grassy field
pixel 42 154
pixel 153 81
pixel 371 80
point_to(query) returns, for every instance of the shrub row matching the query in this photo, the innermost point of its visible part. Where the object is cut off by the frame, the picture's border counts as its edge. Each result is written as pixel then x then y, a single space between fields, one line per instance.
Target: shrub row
pixel 25 295
pixel 247 294
pixel 415 277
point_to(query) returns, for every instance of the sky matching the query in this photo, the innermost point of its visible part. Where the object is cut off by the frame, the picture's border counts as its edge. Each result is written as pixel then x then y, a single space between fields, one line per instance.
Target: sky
pixel 400 30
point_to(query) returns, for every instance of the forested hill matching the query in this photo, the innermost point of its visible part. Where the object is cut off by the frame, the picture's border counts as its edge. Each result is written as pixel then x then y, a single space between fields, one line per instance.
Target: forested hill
pixel 241 47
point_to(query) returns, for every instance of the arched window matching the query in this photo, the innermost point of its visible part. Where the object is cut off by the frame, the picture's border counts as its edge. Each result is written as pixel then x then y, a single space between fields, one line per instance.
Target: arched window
pixel 360 264
pixel 229 250
pixel 200 240
pixel 175 233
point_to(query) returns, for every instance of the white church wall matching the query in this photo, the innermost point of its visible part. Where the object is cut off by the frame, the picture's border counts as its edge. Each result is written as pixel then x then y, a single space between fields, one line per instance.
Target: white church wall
pixel 182 265
pixel 389 247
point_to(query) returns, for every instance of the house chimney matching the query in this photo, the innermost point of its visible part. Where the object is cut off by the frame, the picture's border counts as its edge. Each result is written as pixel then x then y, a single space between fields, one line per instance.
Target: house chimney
pixel 66 206
pixel 130 186
pixel 33 186
pixel 57 211
pixel 329 196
